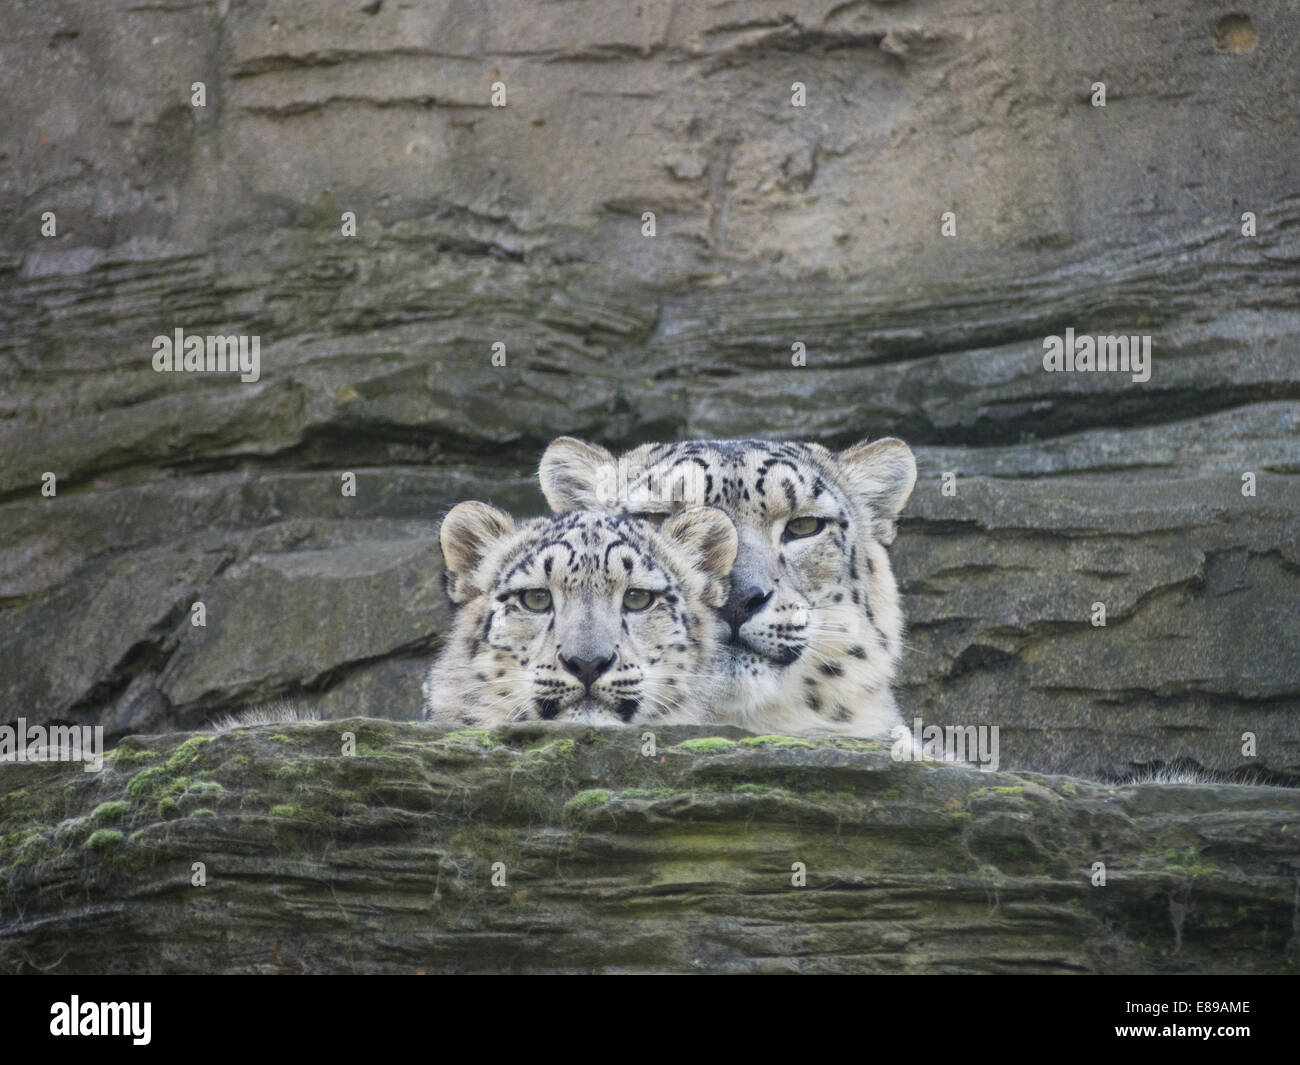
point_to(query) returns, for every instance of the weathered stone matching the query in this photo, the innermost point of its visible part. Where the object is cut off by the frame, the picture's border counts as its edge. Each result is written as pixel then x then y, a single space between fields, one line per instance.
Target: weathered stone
pixel 612 861
pixel 775 225
pixel 1202 637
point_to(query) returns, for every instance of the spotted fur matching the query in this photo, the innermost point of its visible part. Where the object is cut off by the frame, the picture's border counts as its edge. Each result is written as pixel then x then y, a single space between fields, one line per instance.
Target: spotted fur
pixel 815 627
pixel 588 656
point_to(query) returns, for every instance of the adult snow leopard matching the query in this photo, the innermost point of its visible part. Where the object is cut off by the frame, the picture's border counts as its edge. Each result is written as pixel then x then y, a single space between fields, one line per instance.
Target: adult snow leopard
pixel 813 614
pixel 580 617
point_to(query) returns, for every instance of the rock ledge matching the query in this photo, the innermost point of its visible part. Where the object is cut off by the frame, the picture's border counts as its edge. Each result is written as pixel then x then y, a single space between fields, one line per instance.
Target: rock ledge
pixel 616 861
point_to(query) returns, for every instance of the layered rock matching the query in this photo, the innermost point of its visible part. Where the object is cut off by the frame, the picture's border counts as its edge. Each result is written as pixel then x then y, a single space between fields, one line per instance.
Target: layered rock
pixel 775 225
pixel 553 849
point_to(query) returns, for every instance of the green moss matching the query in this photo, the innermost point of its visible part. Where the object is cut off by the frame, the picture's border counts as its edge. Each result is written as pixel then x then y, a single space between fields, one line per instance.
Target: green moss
pixel 295 772
pixel 1189 862
pixel 892 793
pixel 70 829
pixel 109 811
pixel 1004 790
pixel 168 809
pixel 588 799
pixel 187 753
pixel 23 848
pixel 707 745
pixel 177 787
pixel 540 779
pixel 146 782
pixel 556 750
pixel 35 848
pixel 13 799
pixel 104 838
pixel 203 812
pixel 488 844
pixel 40 807
pixel 204 787
pixel 773 741
pixel 960 815
pixel 373 737
pixel 299 812
pixel 471 737
pixel 649 793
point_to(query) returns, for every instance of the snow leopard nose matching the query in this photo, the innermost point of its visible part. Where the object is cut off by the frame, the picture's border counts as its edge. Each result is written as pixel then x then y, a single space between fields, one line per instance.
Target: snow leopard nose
pixel 587 669
pixel 743 605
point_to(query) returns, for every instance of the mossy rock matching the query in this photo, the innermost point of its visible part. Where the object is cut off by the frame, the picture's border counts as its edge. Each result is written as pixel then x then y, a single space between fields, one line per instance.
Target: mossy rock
pixel 452 851
pixel 104 839
pixel 110 811
pixel 707 745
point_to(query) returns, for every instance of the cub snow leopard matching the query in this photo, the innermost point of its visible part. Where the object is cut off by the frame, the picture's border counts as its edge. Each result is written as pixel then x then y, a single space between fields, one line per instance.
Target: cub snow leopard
pixel 580 617
pixel 813 615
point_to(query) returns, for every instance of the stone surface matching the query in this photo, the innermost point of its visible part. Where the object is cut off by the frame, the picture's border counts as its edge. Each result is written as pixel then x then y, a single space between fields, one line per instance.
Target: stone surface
pixel 774 225
pixel 615 861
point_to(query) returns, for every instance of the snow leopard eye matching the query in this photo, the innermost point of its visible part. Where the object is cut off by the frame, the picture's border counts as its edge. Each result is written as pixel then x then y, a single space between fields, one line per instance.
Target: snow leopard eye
pixel 637 599
pixel 800 528
pixel 537 600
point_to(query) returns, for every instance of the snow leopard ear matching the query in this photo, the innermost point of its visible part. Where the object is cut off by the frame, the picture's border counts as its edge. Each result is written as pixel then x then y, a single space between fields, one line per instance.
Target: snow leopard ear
pixel 576 475
pixel 881 473
pixel 710 542
pixel 468 531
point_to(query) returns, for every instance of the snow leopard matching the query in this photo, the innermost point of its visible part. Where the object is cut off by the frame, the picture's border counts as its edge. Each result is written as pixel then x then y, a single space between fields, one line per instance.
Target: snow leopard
pixel 597 618
pixel 813 620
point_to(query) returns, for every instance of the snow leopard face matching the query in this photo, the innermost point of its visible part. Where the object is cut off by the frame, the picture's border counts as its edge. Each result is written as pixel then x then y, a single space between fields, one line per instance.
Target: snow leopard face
pixel 580 617
pixel 813 619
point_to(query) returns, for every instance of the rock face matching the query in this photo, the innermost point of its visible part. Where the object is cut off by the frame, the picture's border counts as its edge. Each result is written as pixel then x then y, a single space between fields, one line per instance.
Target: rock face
pixel 774 225
pixel 613 858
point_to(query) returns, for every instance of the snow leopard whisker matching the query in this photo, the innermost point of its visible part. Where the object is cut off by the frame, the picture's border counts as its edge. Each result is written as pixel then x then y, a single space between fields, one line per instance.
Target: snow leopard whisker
pixel 827 628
